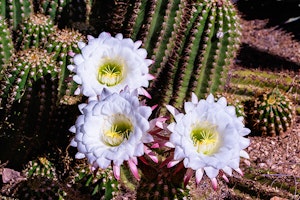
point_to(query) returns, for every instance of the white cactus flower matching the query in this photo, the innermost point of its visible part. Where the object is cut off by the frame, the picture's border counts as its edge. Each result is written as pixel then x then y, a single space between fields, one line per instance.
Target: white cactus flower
pixel 209 138
pixel 112 130
pixel 112 63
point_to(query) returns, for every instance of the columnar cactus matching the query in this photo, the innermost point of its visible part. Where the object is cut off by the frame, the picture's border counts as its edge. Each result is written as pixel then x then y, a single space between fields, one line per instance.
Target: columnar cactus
pixel 34 31
pixel 63 42
pixel 192 44
pixel 26 67
pixel 270 113
pixel 16 11
pixel 6 43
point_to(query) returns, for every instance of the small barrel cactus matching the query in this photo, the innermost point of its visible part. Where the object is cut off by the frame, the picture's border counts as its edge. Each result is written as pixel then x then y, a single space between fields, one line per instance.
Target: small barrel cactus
pixel 34 31
pixel 6 43
pixel 270 113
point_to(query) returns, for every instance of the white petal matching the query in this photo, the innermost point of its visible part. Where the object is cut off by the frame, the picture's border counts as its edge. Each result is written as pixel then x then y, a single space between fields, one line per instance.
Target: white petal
pixel 79 155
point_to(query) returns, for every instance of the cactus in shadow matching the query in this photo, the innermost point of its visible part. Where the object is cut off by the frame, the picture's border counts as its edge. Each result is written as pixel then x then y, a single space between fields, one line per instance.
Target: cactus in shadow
pixel 34 31
pixel 6 43
pixel 192 43
pixel 270 113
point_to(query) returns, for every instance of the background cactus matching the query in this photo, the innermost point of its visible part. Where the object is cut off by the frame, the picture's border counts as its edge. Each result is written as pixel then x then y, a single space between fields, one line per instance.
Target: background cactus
pixel 34 31
pixel 16 11
pixel 61 42
pixel 6 43
pixel 270 113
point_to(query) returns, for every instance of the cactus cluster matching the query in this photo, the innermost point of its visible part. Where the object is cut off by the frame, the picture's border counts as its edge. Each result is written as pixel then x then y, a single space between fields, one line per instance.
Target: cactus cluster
pixel 271 113
pixel 192 44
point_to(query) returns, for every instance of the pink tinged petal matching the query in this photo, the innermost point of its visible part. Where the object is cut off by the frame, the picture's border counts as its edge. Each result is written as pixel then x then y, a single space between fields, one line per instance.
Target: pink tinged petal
pixel 194 98
pixel 81 45
pixel 169 144
pixel 225 178
pixel 77 79
pixel 214 183
pixel 134 169
pixel 244 154
pixel 145 93
pixel 137 44
pixel 155 145
pixel 247 162
pixel 189 173
pixel 238 170
pixel 173 163
pixel 151 154
pixel 117 171
pixel 199 175
pixel 227 170
pixel 153 107
pixel 79 155
pixel 71 53
pixel 150 77
pixel 149 62
pixel 172 110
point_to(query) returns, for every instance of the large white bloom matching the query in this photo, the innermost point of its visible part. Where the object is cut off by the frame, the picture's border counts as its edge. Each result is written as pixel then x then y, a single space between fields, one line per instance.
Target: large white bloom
pixel 112 63
pixel 208 137
pixel 112 130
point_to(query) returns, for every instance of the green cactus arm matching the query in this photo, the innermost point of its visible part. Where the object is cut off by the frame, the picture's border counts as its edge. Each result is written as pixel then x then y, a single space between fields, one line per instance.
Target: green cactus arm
pixel 141 6
pixel 171 21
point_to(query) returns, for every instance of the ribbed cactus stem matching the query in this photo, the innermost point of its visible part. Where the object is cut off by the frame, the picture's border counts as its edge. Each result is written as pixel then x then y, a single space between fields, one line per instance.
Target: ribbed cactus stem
pixel 53 8
pixel 18 11
pixel 199 50
pixel 27 66
pixel 6 43
pixel 61 42
pixel 34 31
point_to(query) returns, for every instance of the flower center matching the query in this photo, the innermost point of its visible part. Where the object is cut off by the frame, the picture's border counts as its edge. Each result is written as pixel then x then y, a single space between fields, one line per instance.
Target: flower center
pixel 205 137
pixel 111 72
pixel 118 130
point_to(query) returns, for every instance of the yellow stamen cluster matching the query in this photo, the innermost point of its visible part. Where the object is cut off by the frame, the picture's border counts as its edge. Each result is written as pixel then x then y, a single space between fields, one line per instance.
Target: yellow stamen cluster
pixel 119 130
pixel 111 72
pixel 205 137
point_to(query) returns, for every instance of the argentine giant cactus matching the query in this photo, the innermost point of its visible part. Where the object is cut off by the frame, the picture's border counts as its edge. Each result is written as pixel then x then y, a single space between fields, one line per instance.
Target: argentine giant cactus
pixel 192 44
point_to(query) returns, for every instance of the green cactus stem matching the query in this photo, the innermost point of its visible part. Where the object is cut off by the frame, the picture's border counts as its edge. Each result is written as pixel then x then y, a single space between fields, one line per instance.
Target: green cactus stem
pixel 27 66
pixel 195 54
pixel 61 42
pixel 53 8
pixel 34 31
pixel 270 113
pixel 6 44
pixel 16 11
